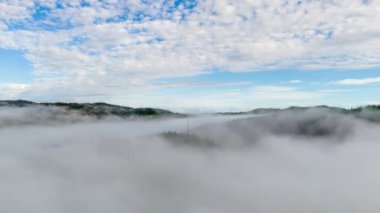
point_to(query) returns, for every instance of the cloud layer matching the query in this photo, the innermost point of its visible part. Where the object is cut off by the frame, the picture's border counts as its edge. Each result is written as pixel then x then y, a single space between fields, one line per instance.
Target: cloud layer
pixel 104 48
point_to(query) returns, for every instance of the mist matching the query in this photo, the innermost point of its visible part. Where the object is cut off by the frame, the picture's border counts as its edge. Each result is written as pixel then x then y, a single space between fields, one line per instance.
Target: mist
pixel 308 161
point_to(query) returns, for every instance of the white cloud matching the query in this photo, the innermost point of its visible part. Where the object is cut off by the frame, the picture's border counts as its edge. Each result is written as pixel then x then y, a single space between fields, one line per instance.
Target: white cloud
pixel 231 99
pixel 283 93
pixel 9 91
pixel 359 81
pixel 11 10
pixel 201 84
pixel 295 81
pixel 229 35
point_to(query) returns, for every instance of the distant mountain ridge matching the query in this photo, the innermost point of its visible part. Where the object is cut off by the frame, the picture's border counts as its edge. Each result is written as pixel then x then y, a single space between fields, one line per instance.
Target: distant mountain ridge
pixel 299 108
pixel 368 112
pixel 296 108
pixel 98 110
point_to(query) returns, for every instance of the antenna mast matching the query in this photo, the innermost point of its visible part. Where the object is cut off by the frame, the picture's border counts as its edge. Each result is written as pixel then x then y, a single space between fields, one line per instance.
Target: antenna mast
pixel 188 127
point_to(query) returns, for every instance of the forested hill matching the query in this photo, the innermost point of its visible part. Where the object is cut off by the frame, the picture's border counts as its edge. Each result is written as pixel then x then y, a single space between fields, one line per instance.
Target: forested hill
pixel 92 109
pixel 368 112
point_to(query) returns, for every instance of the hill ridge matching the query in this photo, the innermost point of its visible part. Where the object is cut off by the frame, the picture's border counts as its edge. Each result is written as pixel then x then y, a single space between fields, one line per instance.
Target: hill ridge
pixel 97 109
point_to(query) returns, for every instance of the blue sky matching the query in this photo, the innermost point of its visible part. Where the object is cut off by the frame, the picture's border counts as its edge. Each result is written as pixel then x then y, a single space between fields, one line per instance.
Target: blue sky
pixel 14 67
pixel 190 55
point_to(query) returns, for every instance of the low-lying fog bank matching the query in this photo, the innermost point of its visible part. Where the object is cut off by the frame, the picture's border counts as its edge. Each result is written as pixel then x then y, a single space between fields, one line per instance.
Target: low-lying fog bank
pixel 309 161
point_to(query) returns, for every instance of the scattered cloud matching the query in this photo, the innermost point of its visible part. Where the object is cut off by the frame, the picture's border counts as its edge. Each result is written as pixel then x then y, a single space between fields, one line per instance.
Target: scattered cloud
pixel 10 91
pixel 81 47
pixel 295 81
pixel 283 93
pixel 200 84
pixel 359 81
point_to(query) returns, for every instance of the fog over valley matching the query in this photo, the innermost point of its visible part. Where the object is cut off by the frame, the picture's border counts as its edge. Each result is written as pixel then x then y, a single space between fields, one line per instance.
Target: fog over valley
pixel 312 160
pixel 189 106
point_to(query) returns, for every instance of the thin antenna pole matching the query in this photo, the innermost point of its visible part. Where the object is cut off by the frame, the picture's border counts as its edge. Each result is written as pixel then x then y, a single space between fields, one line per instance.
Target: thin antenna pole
pixel 188 127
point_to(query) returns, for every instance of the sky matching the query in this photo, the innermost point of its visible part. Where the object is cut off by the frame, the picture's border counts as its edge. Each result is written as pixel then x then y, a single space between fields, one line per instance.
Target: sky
pixel 188 55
